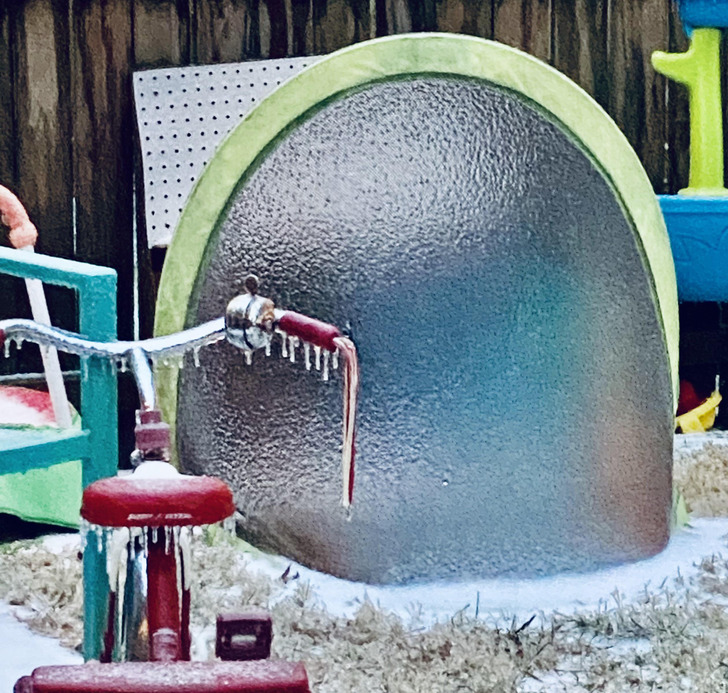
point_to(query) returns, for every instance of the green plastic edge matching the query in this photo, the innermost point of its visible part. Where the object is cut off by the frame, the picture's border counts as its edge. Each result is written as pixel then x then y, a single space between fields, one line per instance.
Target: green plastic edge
pixel 402 55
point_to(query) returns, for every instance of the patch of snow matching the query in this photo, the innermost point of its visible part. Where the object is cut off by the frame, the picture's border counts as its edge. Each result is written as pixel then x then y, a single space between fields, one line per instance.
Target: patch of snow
pixel 500 600
pixel 23 651
pixel 689 442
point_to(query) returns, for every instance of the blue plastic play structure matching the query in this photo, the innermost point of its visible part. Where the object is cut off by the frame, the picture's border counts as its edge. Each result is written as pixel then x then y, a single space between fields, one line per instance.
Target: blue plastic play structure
pixel 703 13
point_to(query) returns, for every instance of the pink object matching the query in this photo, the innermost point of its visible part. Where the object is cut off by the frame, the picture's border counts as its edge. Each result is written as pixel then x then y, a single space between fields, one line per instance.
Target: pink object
pixel 23 406
pixel 12 213
pixel 310 330
pixel 168 677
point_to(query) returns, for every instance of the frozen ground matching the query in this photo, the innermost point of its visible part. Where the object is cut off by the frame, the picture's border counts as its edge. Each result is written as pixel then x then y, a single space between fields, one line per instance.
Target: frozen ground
pixel 22 650
pixel 310 617
pixel 495 601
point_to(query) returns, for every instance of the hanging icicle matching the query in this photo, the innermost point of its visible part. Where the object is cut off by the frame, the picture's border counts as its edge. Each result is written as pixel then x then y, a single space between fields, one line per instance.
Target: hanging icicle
pixel 307 355
pixel 325 372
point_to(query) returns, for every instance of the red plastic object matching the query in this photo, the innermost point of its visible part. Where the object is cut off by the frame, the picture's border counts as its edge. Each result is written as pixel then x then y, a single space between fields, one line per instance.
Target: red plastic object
pixel 309 329
pixel 689 398
pixel 169 677
pixel 173 502
pixel 151 433
pixel 244 636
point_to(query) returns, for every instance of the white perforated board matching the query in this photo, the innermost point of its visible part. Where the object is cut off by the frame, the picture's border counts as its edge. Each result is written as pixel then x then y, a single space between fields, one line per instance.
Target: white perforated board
pixel 183 115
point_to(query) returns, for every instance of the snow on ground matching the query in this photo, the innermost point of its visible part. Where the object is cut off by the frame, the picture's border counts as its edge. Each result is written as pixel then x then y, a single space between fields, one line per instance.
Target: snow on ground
pixel 499 600
pixel 21 651
pixel 495 601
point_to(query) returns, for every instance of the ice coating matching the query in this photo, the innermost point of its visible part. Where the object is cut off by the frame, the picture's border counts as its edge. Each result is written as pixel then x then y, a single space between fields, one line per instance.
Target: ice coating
pixel 351 395
pixel 175 677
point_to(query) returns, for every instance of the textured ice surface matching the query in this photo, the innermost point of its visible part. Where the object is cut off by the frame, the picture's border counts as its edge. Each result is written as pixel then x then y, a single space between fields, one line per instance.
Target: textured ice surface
pixel 515 413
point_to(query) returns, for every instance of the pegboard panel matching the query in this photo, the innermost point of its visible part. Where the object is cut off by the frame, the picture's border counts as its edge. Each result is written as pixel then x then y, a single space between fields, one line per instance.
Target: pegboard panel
pixel 183 115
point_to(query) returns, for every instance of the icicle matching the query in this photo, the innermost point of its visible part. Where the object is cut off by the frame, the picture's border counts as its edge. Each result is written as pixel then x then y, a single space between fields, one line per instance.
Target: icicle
pixel 284 345
pixel 116 543
pixel 185 550
pixel 325 374
pixel 180 362
pixel 267 349
pixel 248 357
pixel 6 350
pixel 123 364
pixel 155 534
pixel 99 532
pixel 229 525
pixel 307 355
pixel 85 529
pixel 167 538
pixel 317 355
pixel 292 344
pixel 335 359
pixel 19 343
pixel 145 546
pixel 196 356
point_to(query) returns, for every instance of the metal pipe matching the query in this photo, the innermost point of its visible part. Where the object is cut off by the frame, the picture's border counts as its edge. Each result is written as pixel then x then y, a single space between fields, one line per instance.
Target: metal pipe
pixel 139 364
pixel 168 346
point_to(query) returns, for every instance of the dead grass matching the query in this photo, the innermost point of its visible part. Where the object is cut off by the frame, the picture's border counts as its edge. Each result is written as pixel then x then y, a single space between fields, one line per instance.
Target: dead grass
pixel 701 475
pixel 670 640
pixel 674 638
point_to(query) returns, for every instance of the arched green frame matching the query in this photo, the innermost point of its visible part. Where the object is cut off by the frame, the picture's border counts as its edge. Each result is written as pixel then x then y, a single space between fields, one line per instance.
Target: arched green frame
pixel 402 56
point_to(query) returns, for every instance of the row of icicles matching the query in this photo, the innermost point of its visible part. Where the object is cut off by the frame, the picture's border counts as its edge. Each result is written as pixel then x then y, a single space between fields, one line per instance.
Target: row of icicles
pixel 321 359
pixel 313 356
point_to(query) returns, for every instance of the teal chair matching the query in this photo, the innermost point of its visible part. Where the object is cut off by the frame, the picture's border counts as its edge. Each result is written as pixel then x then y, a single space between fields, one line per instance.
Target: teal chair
pixel 95 443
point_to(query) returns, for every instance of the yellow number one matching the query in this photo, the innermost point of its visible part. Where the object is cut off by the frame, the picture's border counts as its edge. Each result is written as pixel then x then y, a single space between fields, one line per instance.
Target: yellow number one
pixel 699 70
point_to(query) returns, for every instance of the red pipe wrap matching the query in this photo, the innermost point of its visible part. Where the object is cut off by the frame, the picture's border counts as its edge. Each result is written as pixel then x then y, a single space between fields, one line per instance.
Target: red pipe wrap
pixel 309 330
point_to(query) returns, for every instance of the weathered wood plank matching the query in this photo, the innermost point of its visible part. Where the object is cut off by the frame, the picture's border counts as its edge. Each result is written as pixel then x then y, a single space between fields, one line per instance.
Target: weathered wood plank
pixel 339 23
pixel 101 96
pixel 473 17
pixel 401 16
pixel 226 30
pixel 43 121
pixel 7 119
pixel 103 137
pixel 678 116
pixel 162 37
pixel 43 139
pixel 580 44
pixel 636 92
pixel 14 302
pixel 161 33
pixel 276 32
pixel 525 24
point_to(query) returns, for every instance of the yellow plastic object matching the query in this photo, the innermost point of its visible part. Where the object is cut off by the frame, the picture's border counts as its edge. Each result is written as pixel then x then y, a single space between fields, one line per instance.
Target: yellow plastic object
pixel 701 418
pixel 699 71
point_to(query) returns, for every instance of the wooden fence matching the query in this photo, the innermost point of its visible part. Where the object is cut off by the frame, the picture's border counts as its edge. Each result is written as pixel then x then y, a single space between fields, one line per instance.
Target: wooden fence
pixel 67 120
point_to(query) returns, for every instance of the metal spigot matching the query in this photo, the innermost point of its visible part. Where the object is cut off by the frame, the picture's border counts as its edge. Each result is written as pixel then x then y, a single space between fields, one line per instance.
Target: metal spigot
pixel 249 318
